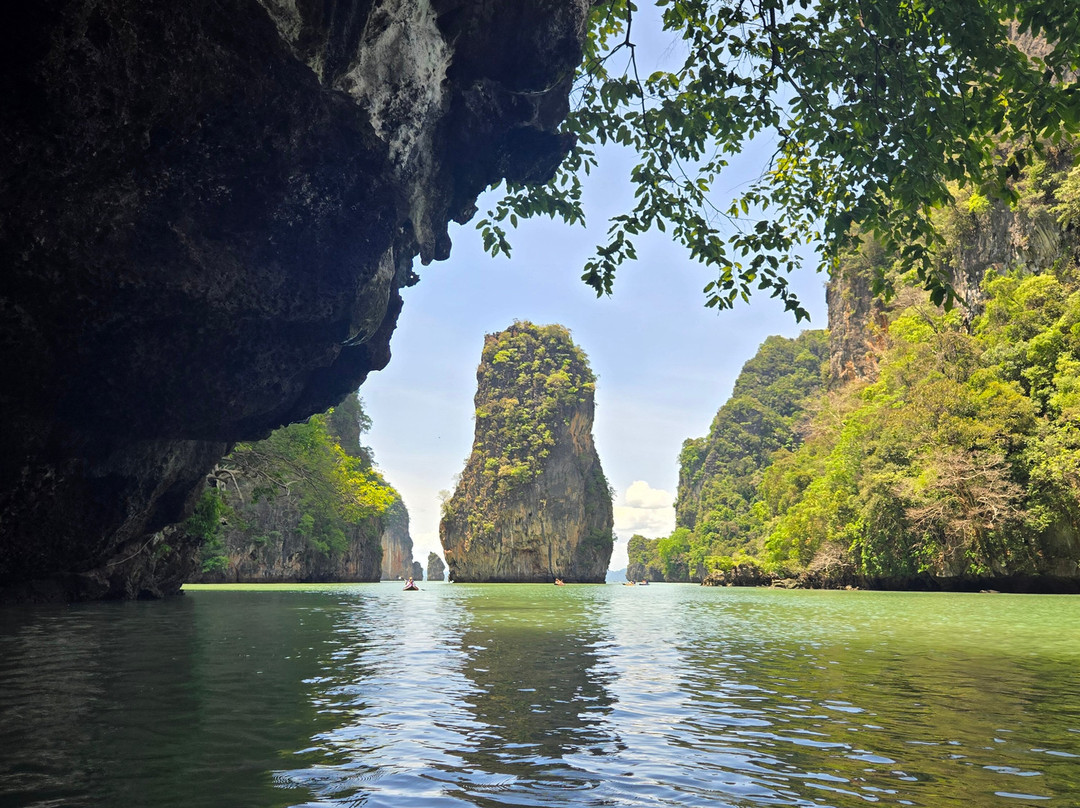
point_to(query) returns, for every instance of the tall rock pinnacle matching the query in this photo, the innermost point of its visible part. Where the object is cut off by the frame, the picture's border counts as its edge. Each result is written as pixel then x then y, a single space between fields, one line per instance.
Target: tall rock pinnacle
pixel 533 504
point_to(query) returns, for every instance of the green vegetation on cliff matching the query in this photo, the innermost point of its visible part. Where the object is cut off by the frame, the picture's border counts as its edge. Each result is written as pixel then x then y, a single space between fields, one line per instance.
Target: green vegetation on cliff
pixel 720 472
pixel 962 458
pixel 530 381
pixel 960 455
pixel 664 559
pixel 305 502
pixel 532 502
pixel 548 377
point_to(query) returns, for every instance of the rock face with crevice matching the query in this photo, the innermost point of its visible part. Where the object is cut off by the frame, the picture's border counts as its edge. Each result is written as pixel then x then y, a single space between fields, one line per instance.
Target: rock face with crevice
pixel 533 504
pixel 397 544
pixel 209 209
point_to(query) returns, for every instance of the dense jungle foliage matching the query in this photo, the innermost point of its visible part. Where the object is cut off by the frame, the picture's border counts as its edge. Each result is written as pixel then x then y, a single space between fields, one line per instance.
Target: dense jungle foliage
pixel 962 458
pixel 317 469
pixel 530 380
pixel 959 457
pixel 719 474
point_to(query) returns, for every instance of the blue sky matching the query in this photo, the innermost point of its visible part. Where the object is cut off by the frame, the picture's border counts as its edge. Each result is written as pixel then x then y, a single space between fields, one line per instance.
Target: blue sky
pixel 664 363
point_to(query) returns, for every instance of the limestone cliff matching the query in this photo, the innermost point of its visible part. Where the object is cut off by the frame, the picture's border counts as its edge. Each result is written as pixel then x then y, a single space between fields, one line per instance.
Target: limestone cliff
pixel 719 473
pixel 858 319
pixel 305 504
pixel 533 503
pixel 396 543
pixel 264 540
pixel 209 208
pixel 347 422
pixel 984 235
pixel 436 570
pixel 980 236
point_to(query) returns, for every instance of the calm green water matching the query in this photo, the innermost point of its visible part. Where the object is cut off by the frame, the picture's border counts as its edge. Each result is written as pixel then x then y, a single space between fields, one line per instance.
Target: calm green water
pixel 538 695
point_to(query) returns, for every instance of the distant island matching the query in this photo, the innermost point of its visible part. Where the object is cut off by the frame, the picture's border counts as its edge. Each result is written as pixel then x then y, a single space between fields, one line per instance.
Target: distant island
pixel 533 504
pixel 436 569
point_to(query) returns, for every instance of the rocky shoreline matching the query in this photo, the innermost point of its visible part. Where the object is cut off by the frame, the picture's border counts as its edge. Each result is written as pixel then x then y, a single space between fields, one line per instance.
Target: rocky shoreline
pixel 750 575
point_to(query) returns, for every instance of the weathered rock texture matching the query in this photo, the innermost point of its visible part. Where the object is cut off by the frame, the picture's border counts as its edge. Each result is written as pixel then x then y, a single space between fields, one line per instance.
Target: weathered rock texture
pixel 306 504
pixel 983 236
pixel 436 570
pixel 263 545
pixel 209 208
pixel 533 503
pixel 858 319
pixel 396 543
pixel 991 236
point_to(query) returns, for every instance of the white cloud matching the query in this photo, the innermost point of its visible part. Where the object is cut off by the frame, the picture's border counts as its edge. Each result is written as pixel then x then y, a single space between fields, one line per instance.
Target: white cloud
pixel 646 521
pixel 647 511
pixel 642 495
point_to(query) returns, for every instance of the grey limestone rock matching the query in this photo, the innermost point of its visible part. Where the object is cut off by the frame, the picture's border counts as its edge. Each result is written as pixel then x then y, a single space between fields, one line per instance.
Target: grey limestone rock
pixel 533 504
pixel 209 209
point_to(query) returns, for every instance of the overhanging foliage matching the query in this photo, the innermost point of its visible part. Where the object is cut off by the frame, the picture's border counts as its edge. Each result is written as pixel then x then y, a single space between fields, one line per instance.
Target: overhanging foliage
pixel 877 110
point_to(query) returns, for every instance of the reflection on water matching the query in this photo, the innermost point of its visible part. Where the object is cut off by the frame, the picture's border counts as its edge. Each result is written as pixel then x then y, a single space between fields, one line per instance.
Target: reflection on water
pixel 153 703
pixel 540 695
pixel 537 696
pixel 850 722
pixel 461 696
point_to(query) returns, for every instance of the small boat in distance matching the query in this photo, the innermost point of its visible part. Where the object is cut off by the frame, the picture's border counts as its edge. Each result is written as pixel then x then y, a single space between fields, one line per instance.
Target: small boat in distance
pixel 410 586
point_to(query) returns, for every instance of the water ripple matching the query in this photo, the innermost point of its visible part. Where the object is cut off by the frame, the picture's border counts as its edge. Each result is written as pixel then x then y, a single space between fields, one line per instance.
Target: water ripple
pixel 541 696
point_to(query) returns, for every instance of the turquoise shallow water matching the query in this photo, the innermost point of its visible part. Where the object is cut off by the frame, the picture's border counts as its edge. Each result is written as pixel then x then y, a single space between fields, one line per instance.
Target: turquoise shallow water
pixel 463 695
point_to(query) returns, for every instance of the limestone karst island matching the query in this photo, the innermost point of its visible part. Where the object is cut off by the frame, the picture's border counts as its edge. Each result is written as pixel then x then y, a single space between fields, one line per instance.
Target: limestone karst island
pixel 765 490
pixel 532 504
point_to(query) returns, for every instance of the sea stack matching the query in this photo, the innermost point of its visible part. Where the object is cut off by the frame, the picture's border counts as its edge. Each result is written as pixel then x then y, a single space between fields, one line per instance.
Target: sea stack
pixel 533 504
pixel 436 570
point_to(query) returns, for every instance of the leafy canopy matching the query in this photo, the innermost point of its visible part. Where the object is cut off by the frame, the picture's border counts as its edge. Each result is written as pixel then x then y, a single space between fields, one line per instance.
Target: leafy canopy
pixel 876 109
pixel 318 466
